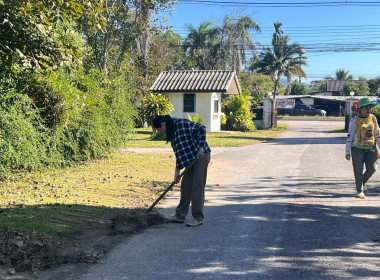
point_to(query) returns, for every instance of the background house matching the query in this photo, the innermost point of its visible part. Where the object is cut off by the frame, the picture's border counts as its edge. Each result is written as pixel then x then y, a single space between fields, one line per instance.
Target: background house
pixel 197 93
pixel 335 87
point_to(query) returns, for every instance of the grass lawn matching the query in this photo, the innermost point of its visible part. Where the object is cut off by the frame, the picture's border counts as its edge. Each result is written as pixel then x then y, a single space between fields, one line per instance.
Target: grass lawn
pixel 142 138
pixel 60 202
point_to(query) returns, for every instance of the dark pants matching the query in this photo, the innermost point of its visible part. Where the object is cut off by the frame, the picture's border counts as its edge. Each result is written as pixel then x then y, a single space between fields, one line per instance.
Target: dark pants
pixel 193 189
pixel 361 157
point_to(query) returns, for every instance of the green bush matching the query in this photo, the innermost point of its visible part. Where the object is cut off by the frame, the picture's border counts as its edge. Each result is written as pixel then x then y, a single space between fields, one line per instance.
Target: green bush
pixel 223 119
pixel 376 111
pixel 97 119
pixel 239 117
pixel 196 118
pixel 82 117
pixel 155 105
pixel 24 141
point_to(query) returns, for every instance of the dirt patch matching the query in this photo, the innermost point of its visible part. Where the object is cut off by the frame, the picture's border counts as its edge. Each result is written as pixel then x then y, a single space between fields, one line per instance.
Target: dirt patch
pixel 28 256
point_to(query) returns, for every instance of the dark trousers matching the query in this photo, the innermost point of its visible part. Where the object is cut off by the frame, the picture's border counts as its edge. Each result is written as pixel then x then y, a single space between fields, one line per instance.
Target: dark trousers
pixel 193 189
pixel 361 157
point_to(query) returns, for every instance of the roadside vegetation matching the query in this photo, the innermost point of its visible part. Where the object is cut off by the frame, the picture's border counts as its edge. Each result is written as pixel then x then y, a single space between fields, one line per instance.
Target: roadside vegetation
pixel 142 138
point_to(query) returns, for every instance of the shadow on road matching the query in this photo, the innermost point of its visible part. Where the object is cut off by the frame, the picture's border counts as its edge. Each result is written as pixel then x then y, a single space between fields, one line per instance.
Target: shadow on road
pixel 315 240
pixel 310 140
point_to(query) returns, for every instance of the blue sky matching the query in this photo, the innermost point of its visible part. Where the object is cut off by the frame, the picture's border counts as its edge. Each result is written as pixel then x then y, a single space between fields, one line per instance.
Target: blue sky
pixel 324 31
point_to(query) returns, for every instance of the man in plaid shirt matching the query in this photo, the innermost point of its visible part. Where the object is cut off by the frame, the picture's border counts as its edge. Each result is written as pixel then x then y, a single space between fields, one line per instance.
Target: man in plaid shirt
pixel 188 140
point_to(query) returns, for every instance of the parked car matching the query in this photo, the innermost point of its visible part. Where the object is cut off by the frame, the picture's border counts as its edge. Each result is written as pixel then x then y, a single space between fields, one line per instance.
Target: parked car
pixel 301 110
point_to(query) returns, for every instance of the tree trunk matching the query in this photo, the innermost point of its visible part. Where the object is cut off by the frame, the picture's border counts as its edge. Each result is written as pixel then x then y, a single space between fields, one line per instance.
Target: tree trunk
pixel 143 41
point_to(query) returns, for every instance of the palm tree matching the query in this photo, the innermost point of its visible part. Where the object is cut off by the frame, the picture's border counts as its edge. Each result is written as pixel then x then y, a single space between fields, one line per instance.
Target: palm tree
pixel 283 59
pixel 200 45
pixel 236 40
pixel 341 75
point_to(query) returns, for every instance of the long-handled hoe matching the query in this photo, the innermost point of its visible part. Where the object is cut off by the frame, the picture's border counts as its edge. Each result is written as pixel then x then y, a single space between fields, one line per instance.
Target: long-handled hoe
pixel 170 186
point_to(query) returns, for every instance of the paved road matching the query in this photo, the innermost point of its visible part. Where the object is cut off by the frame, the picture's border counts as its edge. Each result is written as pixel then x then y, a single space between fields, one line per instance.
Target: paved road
pixel 280 210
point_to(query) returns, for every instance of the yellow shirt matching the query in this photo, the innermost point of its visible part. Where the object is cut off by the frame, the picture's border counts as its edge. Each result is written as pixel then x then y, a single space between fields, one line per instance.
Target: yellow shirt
pixel 362 133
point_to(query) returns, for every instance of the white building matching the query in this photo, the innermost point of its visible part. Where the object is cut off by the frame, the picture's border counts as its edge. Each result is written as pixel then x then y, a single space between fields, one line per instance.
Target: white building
pixel 197 93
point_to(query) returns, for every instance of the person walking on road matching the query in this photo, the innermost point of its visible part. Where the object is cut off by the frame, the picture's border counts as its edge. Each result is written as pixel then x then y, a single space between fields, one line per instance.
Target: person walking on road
pixel 188 140
pixel 363 135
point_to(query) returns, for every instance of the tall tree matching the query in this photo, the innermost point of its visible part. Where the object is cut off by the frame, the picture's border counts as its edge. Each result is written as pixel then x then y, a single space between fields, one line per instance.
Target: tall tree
pixel 129 28
pixel 236 40
pixel 201 46
pixel 341 74
pixel 282 59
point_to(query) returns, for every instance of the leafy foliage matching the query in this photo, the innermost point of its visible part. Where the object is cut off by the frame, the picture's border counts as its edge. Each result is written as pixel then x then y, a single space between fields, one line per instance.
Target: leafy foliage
pixel 69 76
pixel 360 88
pixel 319 85
pixel 297 88
pixel 257 86
pixel 23 139
pixel 374 86
pixel 155 105
pixel 282 59
pixel 211 47
pixel 238 114
pixel 341 74
pixel 236 40
pixel 82 120
pixel 376 111
pixel 201 46
pixel 40 33
pixel 196 118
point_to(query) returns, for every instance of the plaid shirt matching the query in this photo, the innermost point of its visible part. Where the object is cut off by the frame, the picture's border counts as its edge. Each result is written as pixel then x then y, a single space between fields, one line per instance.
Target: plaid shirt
pixel 188 137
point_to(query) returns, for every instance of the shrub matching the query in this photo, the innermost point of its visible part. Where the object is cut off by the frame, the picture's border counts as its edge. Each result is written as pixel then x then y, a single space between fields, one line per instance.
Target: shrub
pixel 99 117
pixel 155 105
pixel 239 117
pixel 376 111
pixel 223 119
pixel 196 118
pixel 82 117
pixel 24 141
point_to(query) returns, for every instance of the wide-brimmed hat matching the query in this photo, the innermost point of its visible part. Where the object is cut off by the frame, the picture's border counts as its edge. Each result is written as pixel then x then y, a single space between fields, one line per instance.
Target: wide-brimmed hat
pixel 365 102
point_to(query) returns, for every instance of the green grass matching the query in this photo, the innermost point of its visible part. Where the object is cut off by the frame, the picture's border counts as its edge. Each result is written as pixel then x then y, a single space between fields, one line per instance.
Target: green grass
pixel 60 202
pixel 142 138
pixel 57 203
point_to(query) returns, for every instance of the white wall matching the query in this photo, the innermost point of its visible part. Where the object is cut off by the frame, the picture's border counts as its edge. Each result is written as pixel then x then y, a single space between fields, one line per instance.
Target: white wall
pixel 267 113
pixel 176 99
pixel 204 107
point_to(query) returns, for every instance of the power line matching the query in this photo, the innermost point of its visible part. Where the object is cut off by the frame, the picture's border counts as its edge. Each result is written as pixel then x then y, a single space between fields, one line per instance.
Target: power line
pixel 281 4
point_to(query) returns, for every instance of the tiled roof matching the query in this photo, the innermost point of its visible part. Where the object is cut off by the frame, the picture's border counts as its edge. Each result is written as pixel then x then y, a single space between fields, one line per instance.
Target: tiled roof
pixel 197 81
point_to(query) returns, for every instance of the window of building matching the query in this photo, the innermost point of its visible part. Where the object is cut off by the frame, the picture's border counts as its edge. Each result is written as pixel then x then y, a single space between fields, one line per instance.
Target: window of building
pixel 216 106
pixel 189 102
